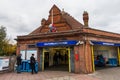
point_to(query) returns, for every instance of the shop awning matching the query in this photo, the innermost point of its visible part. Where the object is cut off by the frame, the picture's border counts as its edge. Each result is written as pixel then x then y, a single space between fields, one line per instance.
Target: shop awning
pixel 57 43
pixel 105 43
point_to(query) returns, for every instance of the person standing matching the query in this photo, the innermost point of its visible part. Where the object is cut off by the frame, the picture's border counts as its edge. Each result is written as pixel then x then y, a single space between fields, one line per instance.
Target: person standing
pixel 19 62
pixel 32 62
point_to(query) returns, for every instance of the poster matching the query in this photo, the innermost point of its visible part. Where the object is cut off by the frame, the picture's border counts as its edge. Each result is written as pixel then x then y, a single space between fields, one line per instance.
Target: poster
pixel 22 52
pixel 30 52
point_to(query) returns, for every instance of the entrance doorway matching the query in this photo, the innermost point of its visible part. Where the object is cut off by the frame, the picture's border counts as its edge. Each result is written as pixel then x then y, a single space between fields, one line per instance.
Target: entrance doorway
pixel 56 59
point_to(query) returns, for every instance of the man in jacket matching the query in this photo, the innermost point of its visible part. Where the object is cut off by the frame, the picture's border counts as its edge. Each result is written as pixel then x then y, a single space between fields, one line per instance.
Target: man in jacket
pixel 19 62
pixel 32 62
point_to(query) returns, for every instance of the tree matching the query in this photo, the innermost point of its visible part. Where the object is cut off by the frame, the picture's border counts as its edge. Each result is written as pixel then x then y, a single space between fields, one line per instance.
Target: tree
pixel 5 47
pixel 2 38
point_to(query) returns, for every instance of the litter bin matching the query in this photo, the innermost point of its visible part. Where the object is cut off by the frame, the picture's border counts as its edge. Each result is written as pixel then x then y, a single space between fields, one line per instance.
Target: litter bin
pixel 112 61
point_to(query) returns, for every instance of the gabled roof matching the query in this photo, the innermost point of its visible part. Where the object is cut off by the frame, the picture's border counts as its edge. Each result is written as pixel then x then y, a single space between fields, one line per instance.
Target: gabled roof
pixel 65 17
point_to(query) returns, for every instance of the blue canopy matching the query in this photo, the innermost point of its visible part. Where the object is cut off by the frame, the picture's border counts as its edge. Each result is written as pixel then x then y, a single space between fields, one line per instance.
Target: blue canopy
pixel 105 43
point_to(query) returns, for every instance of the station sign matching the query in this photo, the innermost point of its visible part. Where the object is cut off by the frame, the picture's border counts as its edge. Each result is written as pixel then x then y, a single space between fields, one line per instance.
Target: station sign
pixel 57 43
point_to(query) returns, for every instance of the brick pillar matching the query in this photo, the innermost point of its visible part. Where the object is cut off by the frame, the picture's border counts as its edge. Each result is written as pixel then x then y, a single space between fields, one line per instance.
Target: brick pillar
pixel 39 58
pixel 82 58
pixel 88 57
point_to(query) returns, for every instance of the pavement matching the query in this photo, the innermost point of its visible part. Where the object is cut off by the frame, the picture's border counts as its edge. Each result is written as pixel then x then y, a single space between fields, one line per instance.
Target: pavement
pixel 112 73
pixel 46 75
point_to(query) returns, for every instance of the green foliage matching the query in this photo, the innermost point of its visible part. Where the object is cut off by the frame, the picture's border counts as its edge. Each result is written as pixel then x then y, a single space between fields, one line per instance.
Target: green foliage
pixel 2 33
pixel 5 47
pixel 2 38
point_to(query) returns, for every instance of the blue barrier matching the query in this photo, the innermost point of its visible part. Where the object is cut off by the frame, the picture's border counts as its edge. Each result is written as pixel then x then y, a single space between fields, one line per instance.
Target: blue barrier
pixel 23 66
pixel 26 67
pixel 112 61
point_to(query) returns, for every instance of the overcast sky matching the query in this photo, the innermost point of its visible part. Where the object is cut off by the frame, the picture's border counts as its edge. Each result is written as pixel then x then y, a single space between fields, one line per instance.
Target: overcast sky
pixel 21 17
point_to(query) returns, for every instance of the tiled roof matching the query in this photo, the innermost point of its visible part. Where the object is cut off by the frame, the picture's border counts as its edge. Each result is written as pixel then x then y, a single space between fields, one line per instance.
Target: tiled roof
pixel 71 21
pixel 36 31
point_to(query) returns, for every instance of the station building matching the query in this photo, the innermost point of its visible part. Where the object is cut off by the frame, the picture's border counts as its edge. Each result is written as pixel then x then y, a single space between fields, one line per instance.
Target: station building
pixel 63 43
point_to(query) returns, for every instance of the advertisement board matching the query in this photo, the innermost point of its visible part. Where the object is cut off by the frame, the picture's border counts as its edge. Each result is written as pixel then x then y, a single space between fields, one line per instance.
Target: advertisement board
pixel 4 64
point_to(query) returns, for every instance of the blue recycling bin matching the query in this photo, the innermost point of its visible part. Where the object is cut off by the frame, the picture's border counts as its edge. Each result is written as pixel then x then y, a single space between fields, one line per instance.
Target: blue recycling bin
pixel 26 67
pixel 36 66
pixel 112 61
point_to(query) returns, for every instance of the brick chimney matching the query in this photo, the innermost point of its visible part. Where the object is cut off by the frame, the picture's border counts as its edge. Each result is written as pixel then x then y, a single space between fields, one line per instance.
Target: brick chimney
pixel 43 21
pixel 85 18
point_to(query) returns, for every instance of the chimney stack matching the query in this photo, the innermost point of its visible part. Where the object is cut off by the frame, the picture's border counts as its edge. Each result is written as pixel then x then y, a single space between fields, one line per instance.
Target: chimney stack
pixel 85 18
pixel 43 21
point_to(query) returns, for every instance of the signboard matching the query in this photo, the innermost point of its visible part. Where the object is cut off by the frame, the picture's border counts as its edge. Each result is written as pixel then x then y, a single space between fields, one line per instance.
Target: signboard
pixel 4 64
pixel 58 43
pixel 105 43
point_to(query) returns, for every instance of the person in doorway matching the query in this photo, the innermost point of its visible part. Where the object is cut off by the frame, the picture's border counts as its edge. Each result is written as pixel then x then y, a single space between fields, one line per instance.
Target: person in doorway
pixel 32 62
pixel 19 62
pixel 55 59
pixel 66 58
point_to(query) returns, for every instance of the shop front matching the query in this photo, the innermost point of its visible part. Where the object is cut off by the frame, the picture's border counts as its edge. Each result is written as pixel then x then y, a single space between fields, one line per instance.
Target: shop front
pixel 105 55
